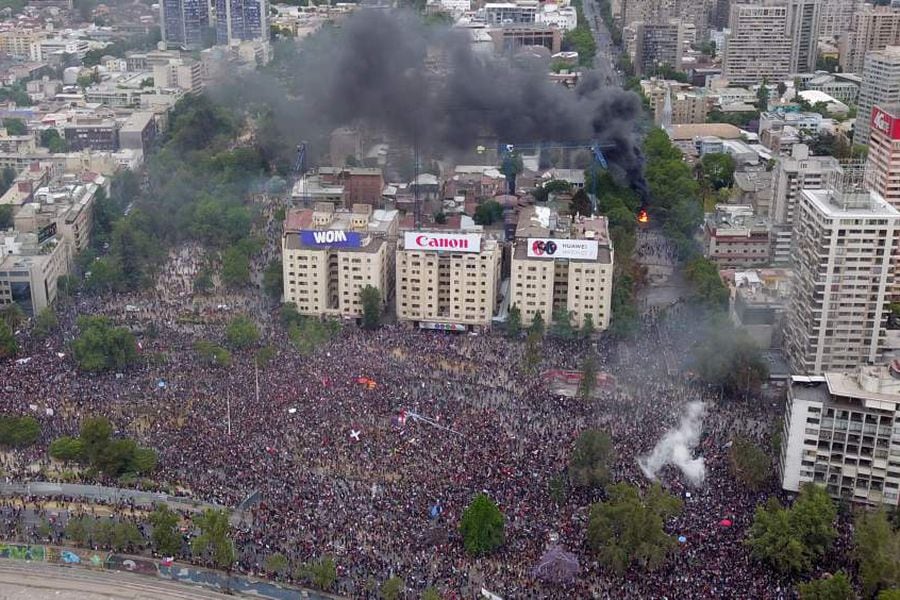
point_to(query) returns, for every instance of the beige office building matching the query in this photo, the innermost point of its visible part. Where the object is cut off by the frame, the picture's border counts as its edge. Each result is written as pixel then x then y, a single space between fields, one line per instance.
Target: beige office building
pixel 872 28
pixel 448 280
pixel 560 264
pixel 880 86
pixel 330 255
pixel 30 268
pixel 759 46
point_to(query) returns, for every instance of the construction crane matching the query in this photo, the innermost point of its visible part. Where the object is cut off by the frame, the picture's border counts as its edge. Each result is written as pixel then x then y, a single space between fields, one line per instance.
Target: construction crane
pixel 508 153
pixel 300 162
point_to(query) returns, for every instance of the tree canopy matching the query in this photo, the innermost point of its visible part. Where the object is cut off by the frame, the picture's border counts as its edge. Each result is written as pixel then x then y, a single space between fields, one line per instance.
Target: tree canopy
pixel 834 587
pixel 877 548
pixel 792 539
pixel 241 332
pixel 482 526
pixel 591 459
pixel 102 347
pixel 370 297
pixel 214 542
pixel 627 529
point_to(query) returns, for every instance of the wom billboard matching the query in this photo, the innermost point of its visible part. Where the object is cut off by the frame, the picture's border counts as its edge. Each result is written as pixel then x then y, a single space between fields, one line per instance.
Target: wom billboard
pixel 442 242
pixel 332 238
pixel 562 248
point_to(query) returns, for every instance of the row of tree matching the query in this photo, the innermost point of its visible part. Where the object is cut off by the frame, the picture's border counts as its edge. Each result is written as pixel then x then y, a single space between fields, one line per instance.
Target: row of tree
pixel 96 447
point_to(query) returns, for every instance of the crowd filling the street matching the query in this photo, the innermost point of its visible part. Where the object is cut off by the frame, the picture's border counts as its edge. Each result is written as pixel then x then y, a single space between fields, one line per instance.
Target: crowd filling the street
pixel 369 449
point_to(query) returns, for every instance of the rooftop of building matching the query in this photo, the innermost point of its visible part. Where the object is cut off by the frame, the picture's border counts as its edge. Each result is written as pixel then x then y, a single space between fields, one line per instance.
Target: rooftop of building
pixel 543 221
pixel 735 219
pixel 378 221
pixel 754 181
pixel 688 132
pixel 759 286
pixel 849 205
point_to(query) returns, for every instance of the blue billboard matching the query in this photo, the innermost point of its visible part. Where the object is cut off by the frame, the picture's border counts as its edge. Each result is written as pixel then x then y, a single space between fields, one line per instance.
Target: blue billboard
pixel 332 238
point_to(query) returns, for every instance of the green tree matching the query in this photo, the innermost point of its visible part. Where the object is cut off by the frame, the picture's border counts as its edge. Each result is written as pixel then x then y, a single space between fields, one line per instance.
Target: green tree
pixel 370 297
pixel 15 126
pixel 792 539
pixel 562 323
pixel 591 459
pixel 8 344
pixel 235 268
pixel 730 358
pixel 580 204
pixel 532 351
pixel 273 278
pixel 165 537
pixel 214 542
pixel 67 448
pixel 392 589
pixel 482 526
pixel 277 563
pixel 143 460
pixel 588 329
pixel 12 315
pixel 749 463
pixel 321 573
pixel 627 529
pixel 95 437
pixel 102 347
pixel 537 326
pixel 79 529
pixel 241 332
pixel 877 548
pixel 204 282
pixel 212 354
pixel 45 322
pixel 707 286
pixel 116 457
pixel 835 587
pixel 718 169
pixel 6 215
pixel 125 536
pixel 431 594
pixel 762 97
pixel 488 212
pixel 19 431
pixel 54 142
pixel 893 594
pixel 514 321
pixel 264 356
pixel 588 381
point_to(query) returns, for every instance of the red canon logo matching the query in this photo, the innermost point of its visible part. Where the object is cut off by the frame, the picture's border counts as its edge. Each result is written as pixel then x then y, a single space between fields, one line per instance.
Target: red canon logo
pixel 424 241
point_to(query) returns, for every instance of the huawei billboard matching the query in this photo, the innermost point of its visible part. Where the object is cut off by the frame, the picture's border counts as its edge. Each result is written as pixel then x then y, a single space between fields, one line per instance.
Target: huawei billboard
pixel 562 248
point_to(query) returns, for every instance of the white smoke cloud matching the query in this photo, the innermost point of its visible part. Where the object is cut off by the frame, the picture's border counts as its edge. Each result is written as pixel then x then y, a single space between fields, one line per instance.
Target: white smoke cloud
pixel 677 445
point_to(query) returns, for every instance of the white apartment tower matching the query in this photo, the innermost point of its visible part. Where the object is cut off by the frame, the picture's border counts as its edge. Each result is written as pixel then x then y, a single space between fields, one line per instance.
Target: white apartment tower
pixel 794 173
pixel 843 241
pixel 880 85
pixel 837 16
pixel 839 433
pixel 759 46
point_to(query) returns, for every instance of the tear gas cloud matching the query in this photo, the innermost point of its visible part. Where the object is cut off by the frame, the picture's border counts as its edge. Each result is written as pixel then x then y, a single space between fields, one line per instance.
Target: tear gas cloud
pixel 677 445
pixel 387 71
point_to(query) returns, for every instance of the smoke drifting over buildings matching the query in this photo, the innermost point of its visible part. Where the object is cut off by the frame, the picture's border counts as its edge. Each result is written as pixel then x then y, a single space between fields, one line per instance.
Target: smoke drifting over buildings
pixel 425 85
pixel 676 447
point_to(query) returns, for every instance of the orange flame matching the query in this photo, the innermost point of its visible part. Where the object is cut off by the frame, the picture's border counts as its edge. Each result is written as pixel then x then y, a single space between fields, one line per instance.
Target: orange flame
pixel 643 217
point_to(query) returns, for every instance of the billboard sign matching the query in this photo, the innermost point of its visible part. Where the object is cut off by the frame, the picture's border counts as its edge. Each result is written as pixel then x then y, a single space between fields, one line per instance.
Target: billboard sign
pixel 562 248
pixel 885 123
pixel 47 232
pixel 442 242
pixel 331 238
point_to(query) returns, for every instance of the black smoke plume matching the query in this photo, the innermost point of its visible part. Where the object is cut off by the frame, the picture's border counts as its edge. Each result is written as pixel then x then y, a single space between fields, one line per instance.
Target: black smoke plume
pixel 387 71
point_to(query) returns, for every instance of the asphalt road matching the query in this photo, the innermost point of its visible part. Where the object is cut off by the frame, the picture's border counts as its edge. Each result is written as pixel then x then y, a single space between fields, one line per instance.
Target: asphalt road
pixel 36 581
pixel 605 59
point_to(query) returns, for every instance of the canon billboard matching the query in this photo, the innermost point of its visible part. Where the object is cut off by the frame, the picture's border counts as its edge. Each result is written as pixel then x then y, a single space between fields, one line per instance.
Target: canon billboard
pixel 562 248
pixel 332 238
pixel 442 242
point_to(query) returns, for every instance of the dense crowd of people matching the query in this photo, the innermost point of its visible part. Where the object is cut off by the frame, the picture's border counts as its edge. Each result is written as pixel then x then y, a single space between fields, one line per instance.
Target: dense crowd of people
pixel 351 469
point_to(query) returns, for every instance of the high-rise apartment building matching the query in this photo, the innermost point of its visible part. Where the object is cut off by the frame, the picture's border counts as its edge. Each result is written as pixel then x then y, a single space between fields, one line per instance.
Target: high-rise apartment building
pixel 562 266
pixel 871 28
pixel 657 45
pixel 794 173
pixel 837 17
pixel 241 20
pixel 839 433
pixel 329 255
pixel 448 280
pixel 844 239
pixel 880 85
pixel 803 27
pixel 759 46
pixel 883 163
pixel 183 23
